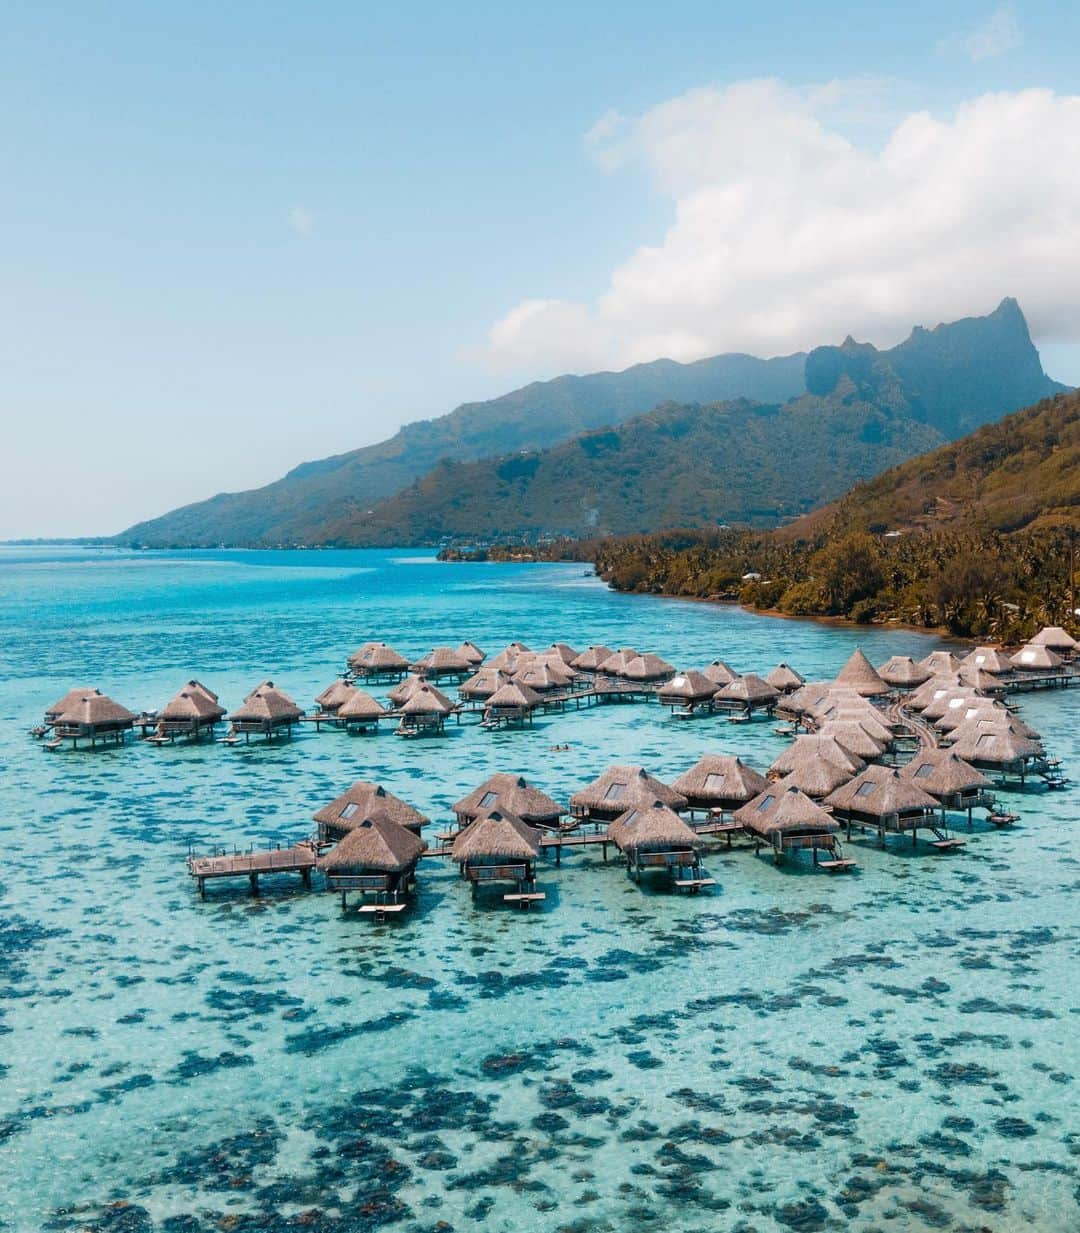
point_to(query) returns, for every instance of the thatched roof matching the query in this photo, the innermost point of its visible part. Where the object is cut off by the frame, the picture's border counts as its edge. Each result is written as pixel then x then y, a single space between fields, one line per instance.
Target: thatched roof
pixel 509 655
pixel 861 675
pixel 687 687
pixel 902 672
pixel 375 657
pixel 988 659
pixel 866 716
pixel 1033 658
pixel 374 844
pixel 334 695
pixel 266 703
pixel 405 689
pixel 814 748
pixel 427 700
pixel 936 687
pixel 514 695
pixel 483 684
pixel 1054 637
pixel 783 808
pixel 590 659
pixel 982 682
pixel 784 678
pixel 992 717
pixel 369 800
pixel 72 696
pixel 497 836
pixel 563 651
pixel 749 689
pixel 442 659
pixel 802 700
pixel 718 778
pixel 853 736
pixel 948 700
pixel 626 786
pixel 94 710
pixel 941 773
pixel 193 703
pixel 880 791
pixel 471 652
pixel 940 663
pixel 647 667
pixel 514 795
pixel 542 677
pixel 617 661
pixel 361 706
pixel 651 828
pixel 965 710
pixel 995 744
pixel 720 673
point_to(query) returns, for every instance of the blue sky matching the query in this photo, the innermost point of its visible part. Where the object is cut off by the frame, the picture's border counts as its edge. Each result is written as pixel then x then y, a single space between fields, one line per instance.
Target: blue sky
pixel 240 236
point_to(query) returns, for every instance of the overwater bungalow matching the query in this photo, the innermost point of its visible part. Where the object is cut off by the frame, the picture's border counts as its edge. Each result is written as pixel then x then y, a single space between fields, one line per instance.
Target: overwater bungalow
pixel 424 713
pixel 940 663
pixel 366 800
pixel 988 659
pixel 361 712
pixel 967 710
pixel 471 653
pixel 935 688
pixel 562 651
pixel 482 684
pixel 902 672
pixel 507 658
pixel 946 700
pixel 654 838
pixel 92 718
pixel 800 702
pixel 442 662
pixel 951 781
pixel 498 847
pixel 376 859
pixel 746 695
pixel 591 658
pixel 511 794
pixel 785 679
pixel 720 673
pixel 843 707
pixel 687 693
pixel 787 820
pixel 405 689
pixel 1055 639
pixel 1038 659
pixel 616 662
pixel 719 783
pixel 377 661
pixel 998 749
pixel 267 712
pixel 854 737
pixel 541 677
pixel 334 696
pixel 810 748
pixel 646 669
pixel 860 675
pixel 882 798
pixel 983 682
pixel 511 703
pixel 52 713
pixel 190 712
pixel 621 788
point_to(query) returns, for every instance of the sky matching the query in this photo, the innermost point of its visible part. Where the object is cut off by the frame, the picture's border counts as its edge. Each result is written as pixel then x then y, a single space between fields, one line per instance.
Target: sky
pixel 238 237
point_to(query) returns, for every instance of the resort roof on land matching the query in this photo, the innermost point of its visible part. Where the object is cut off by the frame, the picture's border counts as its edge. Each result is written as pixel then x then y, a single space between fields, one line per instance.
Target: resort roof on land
pixel 511 794
pixel 378 657
pixel 1036 658
pixel 903 672
pixel 783 808
pixel 376 844
pixel 941 773
pixel 880 791
pixel 193 702
pixel 748 688
pixel 784 678
pixel 651 828
pixel 369 800
pixel 720 777
pixel 334 695
pixel 427 700
pixel 497 836
pixel 720 673
pixel 626 786
pixel 647 667
pixel 266 702
pixel 861 675
pixel 1054 637
pixel 515 693
pixel 687 687
pixel 589 660
pixel 361 705
pixel 93 710
pixel 988 659
pixel 471 652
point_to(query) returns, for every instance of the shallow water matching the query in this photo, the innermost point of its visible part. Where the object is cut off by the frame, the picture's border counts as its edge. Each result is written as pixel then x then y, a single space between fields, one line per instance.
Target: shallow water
pixel 896 1049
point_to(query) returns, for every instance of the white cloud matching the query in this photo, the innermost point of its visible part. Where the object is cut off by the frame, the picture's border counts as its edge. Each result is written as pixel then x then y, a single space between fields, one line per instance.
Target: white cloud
pixel 999 33
pixel 786 234
pixel 301 220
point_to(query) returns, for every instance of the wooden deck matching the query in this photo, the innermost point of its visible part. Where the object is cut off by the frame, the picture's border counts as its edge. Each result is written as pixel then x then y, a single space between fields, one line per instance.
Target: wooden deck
pixel 253 865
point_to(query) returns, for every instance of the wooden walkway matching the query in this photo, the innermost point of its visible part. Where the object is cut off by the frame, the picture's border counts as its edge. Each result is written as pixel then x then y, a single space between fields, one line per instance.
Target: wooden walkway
pixel 252 865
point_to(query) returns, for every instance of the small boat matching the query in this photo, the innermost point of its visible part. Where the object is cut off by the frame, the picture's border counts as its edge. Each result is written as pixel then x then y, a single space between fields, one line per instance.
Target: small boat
pixel 998 817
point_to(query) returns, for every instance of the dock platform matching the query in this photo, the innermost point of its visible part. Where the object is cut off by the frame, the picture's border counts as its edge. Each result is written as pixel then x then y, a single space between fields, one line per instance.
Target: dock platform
pixel 252 865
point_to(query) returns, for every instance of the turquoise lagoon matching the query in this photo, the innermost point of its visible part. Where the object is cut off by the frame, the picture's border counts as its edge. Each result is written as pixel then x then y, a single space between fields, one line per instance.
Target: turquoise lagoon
pixel 898 1049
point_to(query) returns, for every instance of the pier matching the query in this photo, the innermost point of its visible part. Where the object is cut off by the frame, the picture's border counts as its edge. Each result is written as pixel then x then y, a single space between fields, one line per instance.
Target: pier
pixel 300 858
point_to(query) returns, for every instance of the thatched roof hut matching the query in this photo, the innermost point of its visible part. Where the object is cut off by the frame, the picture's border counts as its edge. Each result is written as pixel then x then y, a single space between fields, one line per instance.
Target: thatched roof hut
pixel 940 663
pixel 361 707
pixel 616 661
pixel 948 700
pixel 591 658
pixel 265 709
pixel 72 696
pixel 377 659
pixel 512 700
pixel 784 678
pixel 1054 638
pixel 944 776
pixel 482 684
pixel 802 700
pixel 988 659
pixel 373 845
pixel 442 661
pixel 92 715
pixel 982 682
pixel 562 651
pixel 541 677
pixel 814 748
pixel 366 800
pixel 902 672
pixel 426 700
pixel 936 687
pixel 496 837
pixel 651 828
pixel 510 794
pixel 861 675
pixel 782 812
pixel 647 667
pixel 749 691
pixel 854 737
pixel 334 695
pixel 1033 658
pixel 995 746
pixel 507 658
pixel 405 689
pixel 881 795
pixel 471 653
pixel 720 673
pixel 194 705
pixel 620 788
pixel 687 688
pixel 965 711
pixel 719 781
pixel 844 711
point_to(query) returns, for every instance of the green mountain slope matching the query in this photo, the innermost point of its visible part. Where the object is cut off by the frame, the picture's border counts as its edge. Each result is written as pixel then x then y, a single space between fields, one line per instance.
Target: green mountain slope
pixel 296 508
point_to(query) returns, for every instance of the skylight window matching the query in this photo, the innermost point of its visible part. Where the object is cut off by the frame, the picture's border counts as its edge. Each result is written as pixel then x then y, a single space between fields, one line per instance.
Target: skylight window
pixel 714 783
pixel 924 771
pixel 866 788
pixel 615 792
pixel 350 810
pixel 489 798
